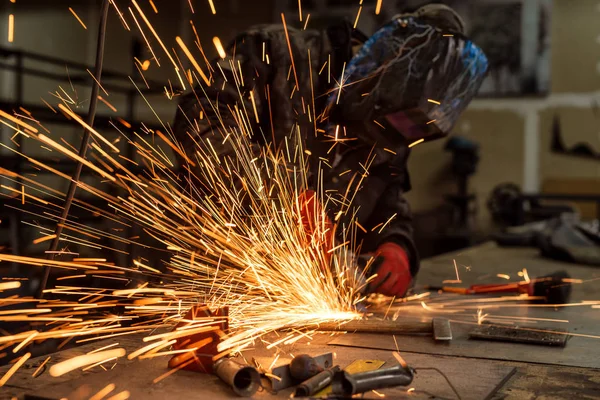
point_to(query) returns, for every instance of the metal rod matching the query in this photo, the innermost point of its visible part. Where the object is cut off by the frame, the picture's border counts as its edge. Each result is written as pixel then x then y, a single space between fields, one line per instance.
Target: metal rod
pixel 84 143
pixel 380 326
pixel 6 53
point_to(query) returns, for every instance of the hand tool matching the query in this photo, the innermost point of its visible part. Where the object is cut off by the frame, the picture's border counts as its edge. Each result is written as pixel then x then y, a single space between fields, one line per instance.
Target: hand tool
pixel 554 288
pixel 347 385
pixel 283 376
pixel 314 384
pixel 243 379
pixel 355 367
pixel 303 367
pixel 439 327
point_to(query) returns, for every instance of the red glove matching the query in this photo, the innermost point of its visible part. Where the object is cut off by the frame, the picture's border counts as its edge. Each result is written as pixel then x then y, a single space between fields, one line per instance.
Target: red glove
pixel 317 226
pixel 393 271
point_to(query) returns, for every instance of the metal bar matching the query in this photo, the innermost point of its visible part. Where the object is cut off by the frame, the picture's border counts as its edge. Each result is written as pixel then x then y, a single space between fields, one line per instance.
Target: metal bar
pixel 6 52
pixel 380 326
pixel 84 142
pixel 79 78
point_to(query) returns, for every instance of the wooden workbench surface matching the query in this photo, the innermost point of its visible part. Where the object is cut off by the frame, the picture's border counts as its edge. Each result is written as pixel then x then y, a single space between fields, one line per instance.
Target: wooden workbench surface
pixel 474 378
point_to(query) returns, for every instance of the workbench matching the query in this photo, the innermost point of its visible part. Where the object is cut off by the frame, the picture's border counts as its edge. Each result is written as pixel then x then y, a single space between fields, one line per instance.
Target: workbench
pixel 553 373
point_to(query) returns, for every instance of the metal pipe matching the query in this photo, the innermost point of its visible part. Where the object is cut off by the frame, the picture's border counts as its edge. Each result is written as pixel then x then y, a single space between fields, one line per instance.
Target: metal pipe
pixel 243 379
pixel 84 145
pixel 316 383
pixel 348 385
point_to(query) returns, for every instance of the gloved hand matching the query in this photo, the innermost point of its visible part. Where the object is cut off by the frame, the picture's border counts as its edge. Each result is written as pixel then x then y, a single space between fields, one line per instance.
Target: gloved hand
pixel 393 271
pixel 317 226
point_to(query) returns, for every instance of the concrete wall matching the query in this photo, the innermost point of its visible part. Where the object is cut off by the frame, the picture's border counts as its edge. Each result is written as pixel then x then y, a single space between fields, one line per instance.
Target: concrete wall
pixel 515 134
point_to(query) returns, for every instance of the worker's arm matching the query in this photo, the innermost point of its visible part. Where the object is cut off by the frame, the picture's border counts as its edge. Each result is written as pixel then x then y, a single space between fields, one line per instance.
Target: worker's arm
pixel 382 213
pixel 206 115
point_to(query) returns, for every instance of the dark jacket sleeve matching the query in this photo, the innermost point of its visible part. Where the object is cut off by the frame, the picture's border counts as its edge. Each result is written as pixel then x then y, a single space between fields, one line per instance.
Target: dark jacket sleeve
pixel 377 182
pixel 393 211
pixel 206 115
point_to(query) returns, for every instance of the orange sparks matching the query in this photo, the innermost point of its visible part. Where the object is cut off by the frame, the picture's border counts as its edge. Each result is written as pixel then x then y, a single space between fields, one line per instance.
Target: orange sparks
pixel 83 360
pixel 145 65
pixel 107 103
pixel 254 106
pixel 37 371
pixel 77 16
pixel 153 6
pixel 120 15
pixel 24 342
pixel 17 121
pixel 212 6
pixel 74 156
pixel 9 285
pixel 11 28
pixel 172 371
pixel 306 22
pixel 87 127
pixel 457 280
pixel 14 369
pixel 378 7
pixel 503 276
pixel 287 38
pixel 456 270
pixel 144 36
pixel 124 123
pixel 219 47
pixel 43 239
pixel 103 392
pixel 341 84
pixel 434 101
pixel 96 80
pixel 400 360
pixel 357 17
pixel 158 39
pixel 416 142
pixel 192 60
pixel 124 395
pixel 300 10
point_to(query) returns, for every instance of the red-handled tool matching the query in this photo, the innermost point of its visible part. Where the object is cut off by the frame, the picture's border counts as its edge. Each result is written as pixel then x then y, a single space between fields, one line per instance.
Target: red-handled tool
pixel 554 288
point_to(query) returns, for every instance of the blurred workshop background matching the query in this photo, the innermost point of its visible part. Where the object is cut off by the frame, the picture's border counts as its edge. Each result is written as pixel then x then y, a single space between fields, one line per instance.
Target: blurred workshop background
pixel 527 148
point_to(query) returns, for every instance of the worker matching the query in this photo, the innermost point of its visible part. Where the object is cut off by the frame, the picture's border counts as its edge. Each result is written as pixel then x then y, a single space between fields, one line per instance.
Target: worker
pixel 406 84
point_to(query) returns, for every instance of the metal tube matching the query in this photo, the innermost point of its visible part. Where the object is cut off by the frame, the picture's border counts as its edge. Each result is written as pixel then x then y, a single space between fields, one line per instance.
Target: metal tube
pixel 347 385
pixel 84 144
pixel 243 379
pixel 316 383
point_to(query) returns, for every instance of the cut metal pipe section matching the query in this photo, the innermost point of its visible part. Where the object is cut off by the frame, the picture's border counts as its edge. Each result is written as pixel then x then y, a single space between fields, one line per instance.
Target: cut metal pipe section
pixel 243 379
pixel 316 383
pixel 347 385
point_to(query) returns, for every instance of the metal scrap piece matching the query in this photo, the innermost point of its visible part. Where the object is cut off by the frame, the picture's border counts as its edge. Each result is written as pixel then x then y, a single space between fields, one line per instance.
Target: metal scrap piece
pixel 515 334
